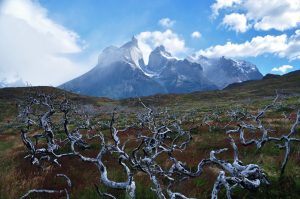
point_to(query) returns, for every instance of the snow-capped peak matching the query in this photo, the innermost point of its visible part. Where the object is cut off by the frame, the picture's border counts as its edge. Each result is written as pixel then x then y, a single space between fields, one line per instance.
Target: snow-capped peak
pixel 132 53
pixel 161 51
pixel 158 59
pixel 129 53
pixel 244 65
pixel 132 43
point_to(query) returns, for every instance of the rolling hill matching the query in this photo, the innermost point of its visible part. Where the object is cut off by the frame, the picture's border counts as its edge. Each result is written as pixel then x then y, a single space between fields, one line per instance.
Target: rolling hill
pixel 252 95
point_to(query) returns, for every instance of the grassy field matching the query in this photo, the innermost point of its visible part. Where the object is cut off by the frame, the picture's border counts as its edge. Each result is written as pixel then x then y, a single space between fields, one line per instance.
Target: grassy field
pixel 18 175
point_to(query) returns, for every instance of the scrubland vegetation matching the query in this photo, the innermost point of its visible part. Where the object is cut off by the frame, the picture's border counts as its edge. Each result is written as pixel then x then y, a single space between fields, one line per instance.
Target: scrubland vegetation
pixel 203 122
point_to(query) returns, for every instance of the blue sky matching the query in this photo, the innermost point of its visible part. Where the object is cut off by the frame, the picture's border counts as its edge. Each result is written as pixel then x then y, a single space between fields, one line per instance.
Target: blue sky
pixel 44 37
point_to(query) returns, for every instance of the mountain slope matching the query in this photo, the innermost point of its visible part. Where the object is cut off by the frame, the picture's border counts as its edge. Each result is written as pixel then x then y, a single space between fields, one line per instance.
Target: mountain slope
pixel 118 74
pixel 117 81
pixel 177 76
pixel 224 71
pixel 182 76
pixel 158 60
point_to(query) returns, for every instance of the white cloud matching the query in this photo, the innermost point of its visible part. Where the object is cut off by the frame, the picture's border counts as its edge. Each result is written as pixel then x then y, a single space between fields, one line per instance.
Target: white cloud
pixel 282 69
pixel 221 4
pixel 236 22
pixel 166 22
pixel 265 15
pixel 292 51
pixel 257 46
pixel 281 46
pixel 196 35
pixel 273 14
pixel 34 46
pixel 149 40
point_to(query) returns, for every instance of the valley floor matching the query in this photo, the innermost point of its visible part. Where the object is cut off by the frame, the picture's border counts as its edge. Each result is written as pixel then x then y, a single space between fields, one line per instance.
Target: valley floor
pixel 18 175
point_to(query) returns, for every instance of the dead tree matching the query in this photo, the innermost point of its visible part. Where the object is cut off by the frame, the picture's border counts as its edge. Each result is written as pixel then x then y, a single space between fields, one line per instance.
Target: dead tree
pixel 157 134
pixel 258 126
pixel 248 176
pixel 51 191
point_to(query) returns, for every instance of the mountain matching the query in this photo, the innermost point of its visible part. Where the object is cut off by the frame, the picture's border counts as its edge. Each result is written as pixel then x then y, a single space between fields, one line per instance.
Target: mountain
pixel 224 71
pixel 158 60
pixel 122 73
pixel 177 76
pixel 118 74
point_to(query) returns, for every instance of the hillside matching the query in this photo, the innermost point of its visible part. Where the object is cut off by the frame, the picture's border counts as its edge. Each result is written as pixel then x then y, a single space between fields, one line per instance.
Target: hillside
pixel 288 83
pixel 11 98
pixel 208 134
pixel 19 93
